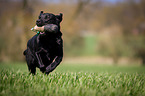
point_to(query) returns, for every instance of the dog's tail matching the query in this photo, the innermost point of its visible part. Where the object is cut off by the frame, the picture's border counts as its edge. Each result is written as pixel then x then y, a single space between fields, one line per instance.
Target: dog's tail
pixel 25 52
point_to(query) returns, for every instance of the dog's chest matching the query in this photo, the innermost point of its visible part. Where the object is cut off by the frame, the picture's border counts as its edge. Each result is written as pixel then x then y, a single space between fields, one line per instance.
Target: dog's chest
pixel 50 45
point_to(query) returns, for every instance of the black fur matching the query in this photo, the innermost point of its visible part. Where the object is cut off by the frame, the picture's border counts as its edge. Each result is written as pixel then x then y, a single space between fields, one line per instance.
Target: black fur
pixel 45 51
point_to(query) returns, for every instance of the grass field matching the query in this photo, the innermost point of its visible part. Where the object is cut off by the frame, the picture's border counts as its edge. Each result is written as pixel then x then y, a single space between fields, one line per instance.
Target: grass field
pixel 72 80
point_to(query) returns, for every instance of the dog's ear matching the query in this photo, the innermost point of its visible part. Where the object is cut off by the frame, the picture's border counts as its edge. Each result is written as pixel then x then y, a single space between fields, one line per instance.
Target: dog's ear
pixel 59 17
pixel 41 12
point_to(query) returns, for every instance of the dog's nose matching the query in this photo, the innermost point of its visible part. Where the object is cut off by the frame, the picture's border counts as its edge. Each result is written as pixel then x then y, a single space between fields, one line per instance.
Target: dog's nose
pixel 38 21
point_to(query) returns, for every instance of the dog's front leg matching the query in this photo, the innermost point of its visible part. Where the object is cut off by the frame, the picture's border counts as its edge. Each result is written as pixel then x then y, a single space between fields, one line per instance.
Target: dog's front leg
pixel 39 58
pixel 54 64
pixel 39 61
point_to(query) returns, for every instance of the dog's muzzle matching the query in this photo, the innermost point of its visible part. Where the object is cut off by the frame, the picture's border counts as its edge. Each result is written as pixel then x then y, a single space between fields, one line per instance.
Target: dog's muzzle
pixel 39 23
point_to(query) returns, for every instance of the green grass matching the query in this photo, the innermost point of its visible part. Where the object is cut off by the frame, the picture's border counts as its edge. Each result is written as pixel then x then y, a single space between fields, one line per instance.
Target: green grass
pixel 72 80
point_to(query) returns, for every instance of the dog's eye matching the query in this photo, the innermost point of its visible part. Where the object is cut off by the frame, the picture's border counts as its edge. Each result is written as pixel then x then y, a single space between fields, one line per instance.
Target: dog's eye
pixel 39 17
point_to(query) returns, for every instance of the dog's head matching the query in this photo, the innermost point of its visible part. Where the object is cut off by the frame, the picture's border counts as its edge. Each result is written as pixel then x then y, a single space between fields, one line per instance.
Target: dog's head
pixel 48 18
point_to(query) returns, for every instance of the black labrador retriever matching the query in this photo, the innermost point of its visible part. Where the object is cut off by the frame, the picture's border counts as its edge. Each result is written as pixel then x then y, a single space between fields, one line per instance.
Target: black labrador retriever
pixel 45 50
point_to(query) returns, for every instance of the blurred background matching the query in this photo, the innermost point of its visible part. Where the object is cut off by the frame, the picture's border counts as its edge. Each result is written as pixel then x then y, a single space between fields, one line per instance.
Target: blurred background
pixel 94 31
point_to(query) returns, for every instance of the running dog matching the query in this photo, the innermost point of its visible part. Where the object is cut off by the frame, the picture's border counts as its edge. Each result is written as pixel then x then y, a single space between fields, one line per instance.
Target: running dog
pixel 45 50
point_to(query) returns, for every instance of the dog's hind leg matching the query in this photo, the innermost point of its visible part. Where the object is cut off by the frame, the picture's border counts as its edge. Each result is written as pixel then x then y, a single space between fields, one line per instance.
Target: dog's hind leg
pixel 30 61
pixel 31 66
pixel 32 69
